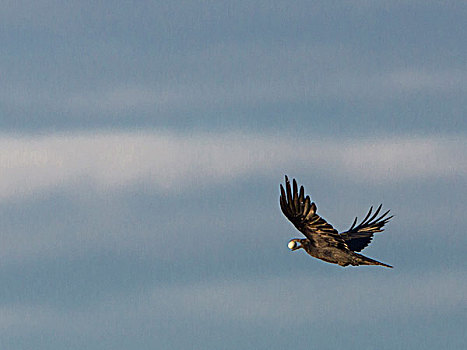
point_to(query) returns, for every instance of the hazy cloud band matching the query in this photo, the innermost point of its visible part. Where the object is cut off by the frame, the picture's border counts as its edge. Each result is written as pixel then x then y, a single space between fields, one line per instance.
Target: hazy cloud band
pixel 174 161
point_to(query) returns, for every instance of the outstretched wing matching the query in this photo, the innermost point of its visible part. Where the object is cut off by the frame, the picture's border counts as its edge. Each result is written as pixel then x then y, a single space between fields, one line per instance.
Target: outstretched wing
pixel 358 237
pixel 302 213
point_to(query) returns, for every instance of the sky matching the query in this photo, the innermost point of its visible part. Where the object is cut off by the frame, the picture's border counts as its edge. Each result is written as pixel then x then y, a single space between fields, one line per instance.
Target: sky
pixel 142 144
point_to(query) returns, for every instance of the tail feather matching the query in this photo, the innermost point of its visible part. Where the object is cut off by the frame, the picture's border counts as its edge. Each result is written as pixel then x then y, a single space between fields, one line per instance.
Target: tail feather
pixel 364 260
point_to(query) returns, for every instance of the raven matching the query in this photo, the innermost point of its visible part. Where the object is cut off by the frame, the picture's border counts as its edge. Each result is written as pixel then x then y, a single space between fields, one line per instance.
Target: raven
pixel 322 240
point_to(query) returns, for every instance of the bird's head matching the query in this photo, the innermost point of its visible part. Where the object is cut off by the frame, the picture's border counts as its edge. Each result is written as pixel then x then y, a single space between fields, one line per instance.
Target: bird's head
pixel 294 244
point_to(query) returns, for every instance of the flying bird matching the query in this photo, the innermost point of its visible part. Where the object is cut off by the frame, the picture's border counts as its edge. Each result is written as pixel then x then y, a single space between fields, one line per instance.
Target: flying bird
pixel 322 240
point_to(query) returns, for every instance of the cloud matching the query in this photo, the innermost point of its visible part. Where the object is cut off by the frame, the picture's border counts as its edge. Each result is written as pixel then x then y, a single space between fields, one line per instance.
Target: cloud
pixel 273 302
pixel 224 75
pixel 172 162
pixel 252 301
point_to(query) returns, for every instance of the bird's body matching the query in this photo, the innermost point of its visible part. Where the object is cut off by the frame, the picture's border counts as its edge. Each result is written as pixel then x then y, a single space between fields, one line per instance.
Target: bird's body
pixel 322 240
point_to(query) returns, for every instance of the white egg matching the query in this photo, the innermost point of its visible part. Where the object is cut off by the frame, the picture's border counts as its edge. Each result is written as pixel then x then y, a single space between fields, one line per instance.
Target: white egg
pixel 292 244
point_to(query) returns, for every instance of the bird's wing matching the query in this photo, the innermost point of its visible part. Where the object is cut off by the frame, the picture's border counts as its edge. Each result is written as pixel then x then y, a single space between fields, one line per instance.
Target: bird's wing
pixel 302 213
pixel 358 237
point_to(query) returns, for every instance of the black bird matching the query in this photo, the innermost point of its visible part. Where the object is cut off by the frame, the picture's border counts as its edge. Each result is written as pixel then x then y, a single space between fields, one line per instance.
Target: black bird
pixel 322 240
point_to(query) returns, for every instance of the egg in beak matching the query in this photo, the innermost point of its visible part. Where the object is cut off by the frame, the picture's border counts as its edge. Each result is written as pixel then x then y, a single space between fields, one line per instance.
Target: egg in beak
pixel 293 245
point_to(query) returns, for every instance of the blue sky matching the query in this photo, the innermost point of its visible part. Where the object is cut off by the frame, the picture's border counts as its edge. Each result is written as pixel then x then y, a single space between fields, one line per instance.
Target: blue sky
pixel 141 149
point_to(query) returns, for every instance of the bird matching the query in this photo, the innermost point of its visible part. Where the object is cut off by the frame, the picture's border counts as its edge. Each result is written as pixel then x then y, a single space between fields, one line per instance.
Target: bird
pixel 323 241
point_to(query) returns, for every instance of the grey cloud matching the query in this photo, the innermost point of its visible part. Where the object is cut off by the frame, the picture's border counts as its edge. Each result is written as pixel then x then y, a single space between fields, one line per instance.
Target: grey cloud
pixel 226 75
pixel 268 302
pixel 173 162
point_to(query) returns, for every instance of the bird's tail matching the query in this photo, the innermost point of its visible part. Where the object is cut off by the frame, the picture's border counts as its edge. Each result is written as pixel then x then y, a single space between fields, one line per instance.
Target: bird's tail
pixel 363 260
